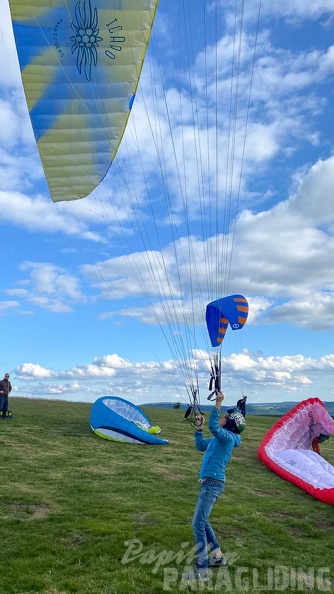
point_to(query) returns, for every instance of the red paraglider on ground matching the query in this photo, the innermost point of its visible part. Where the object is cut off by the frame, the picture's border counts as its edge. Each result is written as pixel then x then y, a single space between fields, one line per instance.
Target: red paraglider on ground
pixel 285 449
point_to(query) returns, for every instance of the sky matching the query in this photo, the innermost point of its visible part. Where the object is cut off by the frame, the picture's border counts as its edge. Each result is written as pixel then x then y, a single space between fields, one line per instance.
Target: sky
pixel 222 184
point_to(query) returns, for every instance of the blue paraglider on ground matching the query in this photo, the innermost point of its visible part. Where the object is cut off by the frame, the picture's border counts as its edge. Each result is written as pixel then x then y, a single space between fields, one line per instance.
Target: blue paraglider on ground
pixel 119 420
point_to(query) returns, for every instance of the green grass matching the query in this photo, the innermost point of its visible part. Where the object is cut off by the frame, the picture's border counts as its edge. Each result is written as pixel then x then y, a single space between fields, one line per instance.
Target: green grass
pixel 70 500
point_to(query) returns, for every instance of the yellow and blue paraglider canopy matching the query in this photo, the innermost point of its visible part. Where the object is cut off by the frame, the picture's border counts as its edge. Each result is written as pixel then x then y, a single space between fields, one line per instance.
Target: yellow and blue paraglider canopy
pixel 80 62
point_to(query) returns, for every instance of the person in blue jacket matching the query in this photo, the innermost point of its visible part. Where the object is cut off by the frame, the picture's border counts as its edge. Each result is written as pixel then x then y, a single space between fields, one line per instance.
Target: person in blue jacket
pixel 218 450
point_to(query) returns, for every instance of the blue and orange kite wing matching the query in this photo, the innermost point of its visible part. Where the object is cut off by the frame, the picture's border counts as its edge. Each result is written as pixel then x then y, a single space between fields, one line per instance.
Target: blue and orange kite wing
pixel 231 310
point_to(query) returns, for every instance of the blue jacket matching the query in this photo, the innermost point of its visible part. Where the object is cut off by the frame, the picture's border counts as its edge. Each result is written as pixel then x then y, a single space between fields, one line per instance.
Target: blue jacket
pixel 218 449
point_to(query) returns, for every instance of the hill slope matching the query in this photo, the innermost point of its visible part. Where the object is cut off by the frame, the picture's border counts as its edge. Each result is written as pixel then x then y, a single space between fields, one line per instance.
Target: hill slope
pixel 80 514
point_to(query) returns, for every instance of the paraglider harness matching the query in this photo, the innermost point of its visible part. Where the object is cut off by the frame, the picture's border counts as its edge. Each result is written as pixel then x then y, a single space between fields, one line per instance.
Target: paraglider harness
pixel 194 407
pixel 216 377
pixel 215 382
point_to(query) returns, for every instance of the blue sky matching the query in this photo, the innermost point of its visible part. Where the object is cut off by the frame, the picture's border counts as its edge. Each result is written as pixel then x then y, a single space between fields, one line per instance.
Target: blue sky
pixel 223 183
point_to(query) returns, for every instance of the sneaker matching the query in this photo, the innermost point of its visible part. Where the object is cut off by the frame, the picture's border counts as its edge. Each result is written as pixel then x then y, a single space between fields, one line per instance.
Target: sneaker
pixel 217 561
pixel 196 575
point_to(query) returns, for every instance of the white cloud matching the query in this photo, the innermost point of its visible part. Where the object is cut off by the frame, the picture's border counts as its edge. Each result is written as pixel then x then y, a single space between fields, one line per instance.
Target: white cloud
pixel 264 378
pixel 289 251
pixel 313 202
pixel 6 306
pixel 293 13
pixel 50 279
pixel 48 287
pixel 33 371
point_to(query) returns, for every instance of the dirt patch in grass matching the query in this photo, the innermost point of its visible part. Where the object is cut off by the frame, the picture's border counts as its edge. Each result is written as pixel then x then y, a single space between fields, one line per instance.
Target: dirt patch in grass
pixel 143 519
pixel 55 591
pixel 75 539
pixel 323 525
pixel 26 513
pixel 167 473
pixel 282 514
pixel 262 492
pixel 100 469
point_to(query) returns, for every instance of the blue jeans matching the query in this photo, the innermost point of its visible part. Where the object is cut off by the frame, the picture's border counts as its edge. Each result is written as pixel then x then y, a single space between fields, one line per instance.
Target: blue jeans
pixel 3 405
pixel 204 534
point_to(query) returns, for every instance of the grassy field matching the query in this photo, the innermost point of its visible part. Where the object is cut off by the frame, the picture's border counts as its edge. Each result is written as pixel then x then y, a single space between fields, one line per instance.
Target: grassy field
pixel 80 514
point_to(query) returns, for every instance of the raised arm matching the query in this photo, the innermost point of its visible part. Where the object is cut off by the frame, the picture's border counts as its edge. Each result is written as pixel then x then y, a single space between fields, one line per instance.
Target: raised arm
pixel 200 441
pixel 214 426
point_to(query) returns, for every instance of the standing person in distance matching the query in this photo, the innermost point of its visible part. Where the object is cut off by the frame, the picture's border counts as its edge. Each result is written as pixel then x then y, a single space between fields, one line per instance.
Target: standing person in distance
pixel 241 405
pixel 5 389
pixel 317 441
pixel 218 450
